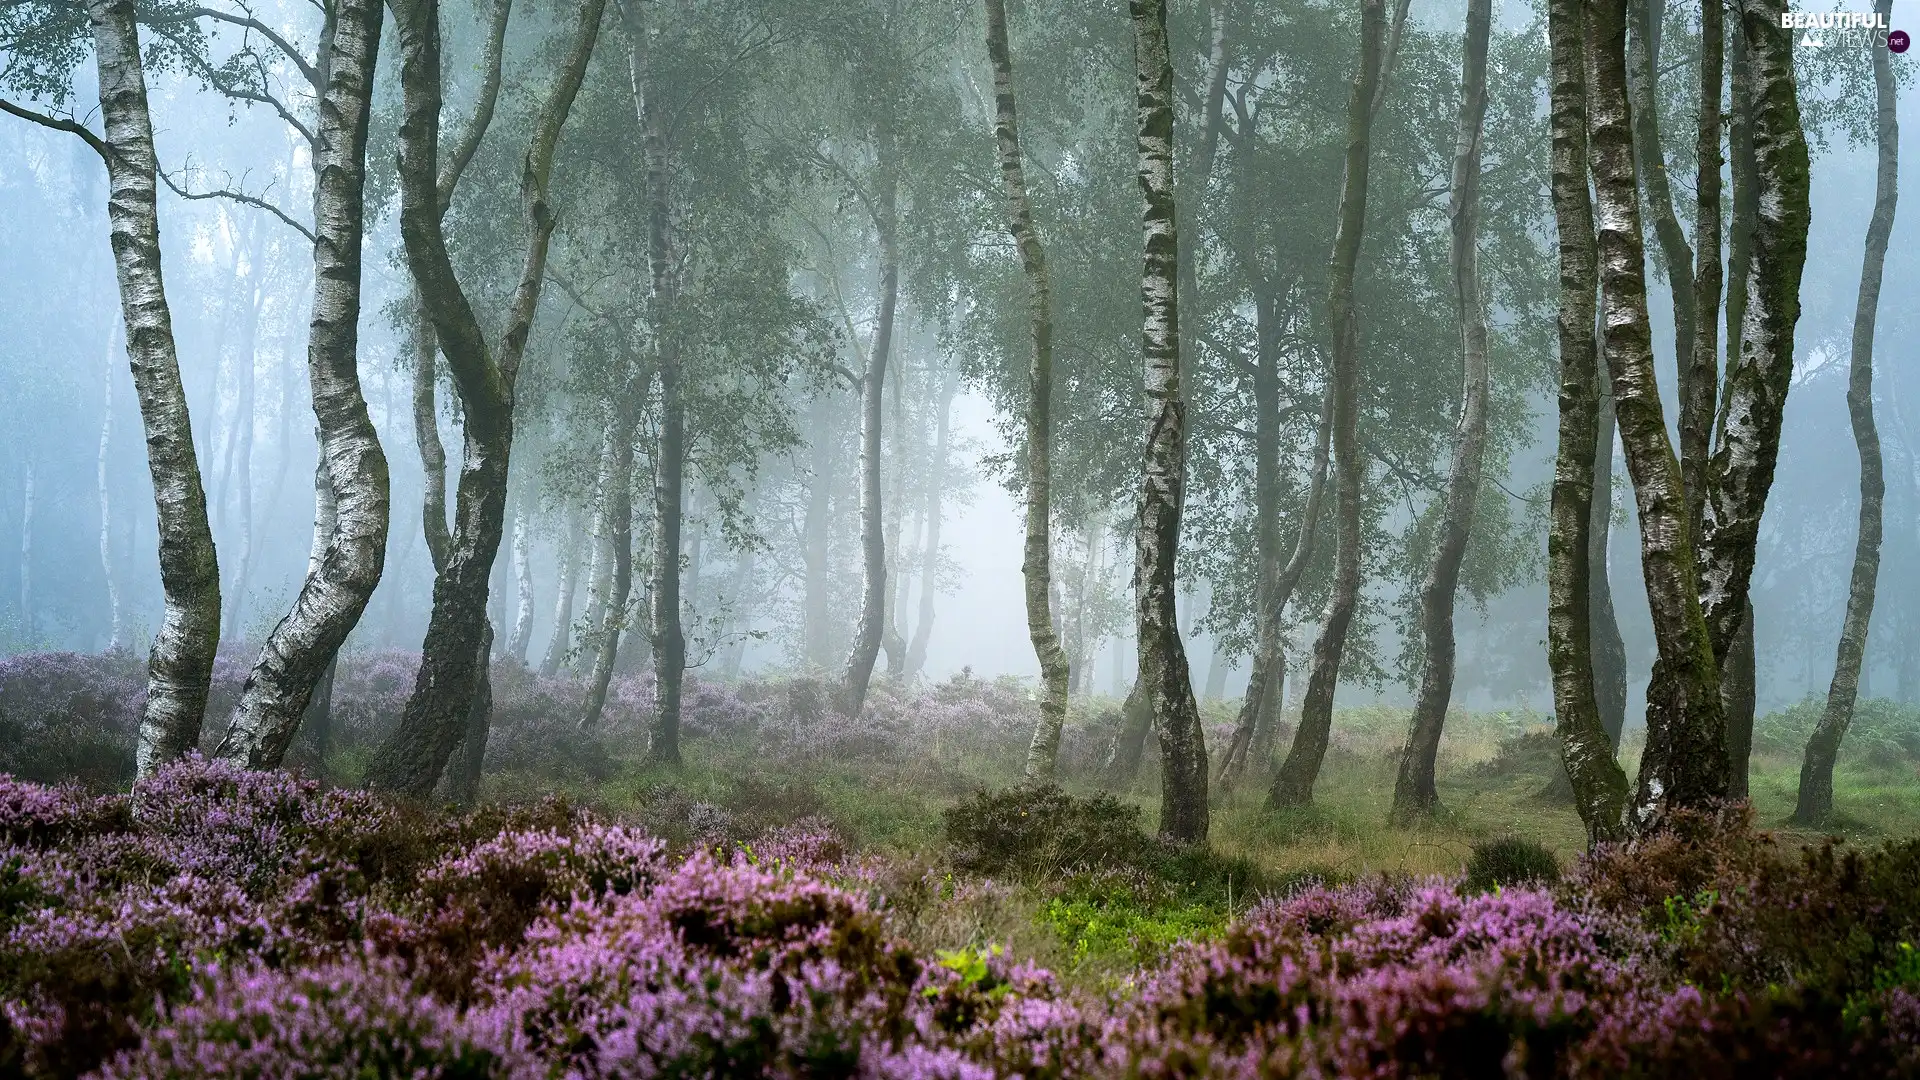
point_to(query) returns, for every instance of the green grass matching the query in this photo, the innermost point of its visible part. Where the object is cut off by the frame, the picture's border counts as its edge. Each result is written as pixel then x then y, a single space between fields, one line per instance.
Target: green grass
pixel 1094 929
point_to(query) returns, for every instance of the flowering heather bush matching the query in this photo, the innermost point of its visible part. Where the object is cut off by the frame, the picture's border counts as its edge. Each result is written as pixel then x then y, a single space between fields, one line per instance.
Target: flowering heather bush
pixel 216 922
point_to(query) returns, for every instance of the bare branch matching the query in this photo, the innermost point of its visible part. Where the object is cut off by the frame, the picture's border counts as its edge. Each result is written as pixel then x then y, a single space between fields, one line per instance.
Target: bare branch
pixel 248 22
pixel 240 197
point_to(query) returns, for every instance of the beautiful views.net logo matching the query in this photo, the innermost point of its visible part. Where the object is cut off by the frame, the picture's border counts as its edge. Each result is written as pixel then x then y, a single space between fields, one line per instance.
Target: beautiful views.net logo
pixel 1845 29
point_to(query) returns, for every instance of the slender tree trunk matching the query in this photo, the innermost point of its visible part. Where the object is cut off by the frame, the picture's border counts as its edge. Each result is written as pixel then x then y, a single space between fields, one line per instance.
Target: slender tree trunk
pixel 892 641
pixel 1684 763
pixel 1293 785
pixel 1699 359
pixel 1816 770
pixel 817 533
pixel 600 570
pixel 341 582
pixel 1609 649
pixel 619 593
pixel 930 553
pixel 1164 686
pixel 1219 665
pixel 1414 793
pixel 1644 23
pixel 1043 752
pixel 1586 747
pixel 522 638
pixel 242 443
pixel 666 636
pixel 1747 441
pixel 560 642
pixel 426 434
pixel 1259 718
pixel 180 665
pixel 412 759
pixel 873 605
pixel 116 633
pixel 1738 681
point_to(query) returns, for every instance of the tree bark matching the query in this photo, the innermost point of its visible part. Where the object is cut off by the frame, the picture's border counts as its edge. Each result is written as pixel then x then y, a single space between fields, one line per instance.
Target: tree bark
pixel 1737 678
pixel 1293 785
pixel 930 553
pixel 180 666
pixel 1747 441
pixel 1609 649
pixel 464 779
pixel 1414 794
pixel 1163 683
pixel 1644 23
pixel 354 544
pixel 1043 751
pixel 619 594
pixel 1815 804
pixel 1699 359
pixel 1684 763
pixel 892 641
pixel 873 605
pixel 426 434
pixel 560 642
pixel 1586 747
pixel 413 757
pixel 1259 718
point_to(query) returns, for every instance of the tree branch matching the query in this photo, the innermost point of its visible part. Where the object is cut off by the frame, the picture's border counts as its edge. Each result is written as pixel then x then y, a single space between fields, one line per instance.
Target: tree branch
pixel 240 197
pixel 59 123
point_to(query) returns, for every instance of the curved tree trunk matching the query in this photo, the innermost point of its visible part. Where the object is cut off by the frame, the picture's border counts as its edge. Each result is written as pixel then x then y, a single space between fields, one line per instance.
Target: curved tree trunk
pixel 1609 649
pixel 1259 719
pixel 1043 752
pixel 619 518
pixel 1586 747
pixel 180 666
pixel 1293 784
pixel 412 759
pixel 426 434
pixel 1738 675
pixel 1644 23
pixel 1816 770
pixel 338 584
pixel 1414 793
pixel 1699 358
pixel 873 543
pixel 1684 763
pixel 1164 683
pixel 1747 441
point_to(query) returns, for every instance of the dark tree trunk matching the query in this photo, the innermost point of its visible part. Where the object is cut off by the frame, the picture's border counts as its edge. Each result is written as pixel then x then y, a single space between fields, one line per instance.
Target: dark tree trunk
pixel 1259 720
pixel 1699 359
pixel 1684 763
pixel 463 780
pixel 437 714
pixel 1043 752
pixel 1414 793
pixel 1163 680
pixel 1609 649
pixel 1586 747
pixel 353 544
pixel 1293 785
pixel 1816 770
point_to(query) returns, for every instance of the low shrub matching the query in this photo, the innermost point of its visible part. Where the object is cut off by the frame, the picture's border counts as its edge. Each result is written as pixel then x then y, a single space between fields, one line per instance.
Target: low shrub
pixel 1509 861
pixel 1041 831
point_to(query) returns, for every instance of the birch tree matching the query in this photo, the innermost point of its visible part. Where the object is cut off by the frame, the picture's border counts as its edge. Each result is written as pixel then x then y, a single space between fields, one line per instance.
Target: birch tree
pixel 1815 802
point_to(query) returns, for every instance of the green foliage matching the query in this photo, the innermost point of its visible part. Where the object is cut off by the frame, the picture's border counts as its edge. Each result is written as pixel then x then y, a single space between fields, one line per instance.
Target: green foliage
pixel 1883 732
pixel 1040 831
pixel 1510 861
